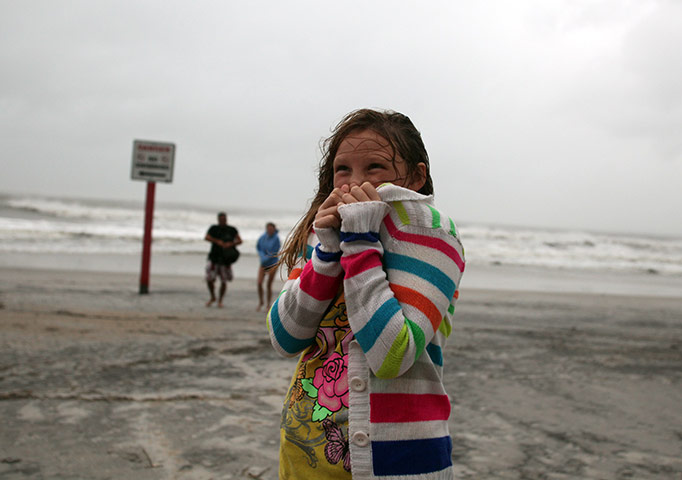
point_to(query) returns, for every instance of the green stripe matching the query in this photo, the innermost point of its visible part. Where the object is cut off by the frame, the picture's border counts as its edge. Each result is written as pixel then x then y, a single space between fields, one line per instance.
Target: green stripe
pixel 419 338
pixel 402 213
pixel 451 309
pixel 394 357
pixel 453 232
pixel 445 328
pixel 435 220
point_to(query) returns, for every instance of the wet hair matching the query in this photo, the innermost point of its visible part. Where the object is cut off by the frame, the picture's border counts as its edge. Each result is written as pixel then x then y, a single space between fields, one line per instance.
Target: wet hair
pixel 403 138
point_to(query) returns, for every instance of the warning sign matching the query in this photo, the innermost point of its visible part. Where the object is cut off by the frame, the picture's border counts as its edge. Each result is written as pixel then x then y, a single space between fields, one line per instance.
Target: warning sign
pixel 153 161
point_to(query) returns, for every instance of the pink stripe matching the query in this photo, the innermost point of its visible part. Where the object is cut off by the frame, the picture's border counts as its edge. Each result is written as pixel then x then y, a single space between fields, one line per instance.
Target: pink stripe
pixel 360 262
pixel 435 243
pixel 320 287
pixel 407 407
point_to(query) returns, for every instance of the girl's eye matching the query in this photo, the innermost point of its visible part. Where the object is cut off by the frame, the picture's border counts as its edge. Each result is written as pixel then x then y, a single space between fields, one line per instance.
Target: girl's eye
pixel 340 168
pixel 375 165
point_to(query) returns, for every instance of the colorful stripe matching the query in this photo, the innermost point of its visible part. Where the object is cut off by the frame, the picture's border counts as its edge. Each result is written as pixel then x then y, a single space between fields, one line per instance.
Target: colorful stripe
pixel 371 331
pixel 390 367
pixel 417 335
pixel 431 242
pixel 371 237
pixel 412 457
pixel 327 256
pixel 295 273
pixel 435 353
pixel 445 328
pixel 408 407
pixel 418 301
pixel 360 262
pixel 402 213
pixel 453 232
pixel 421 269
pixel 435 217
pixel 288 343
pixel 308 252
pixel 320 287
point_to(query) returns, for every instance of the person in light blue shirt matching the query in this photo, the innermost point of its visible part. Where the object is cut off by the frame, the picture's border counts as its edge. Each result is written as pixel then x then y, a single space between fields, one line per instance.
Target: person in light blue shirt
pixel 268 246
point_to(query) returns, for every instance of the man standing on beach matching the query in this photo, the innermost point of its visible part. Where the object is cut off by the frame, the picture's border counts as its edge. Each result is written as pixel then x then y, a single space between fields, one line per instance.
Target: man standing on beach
pixel 224 239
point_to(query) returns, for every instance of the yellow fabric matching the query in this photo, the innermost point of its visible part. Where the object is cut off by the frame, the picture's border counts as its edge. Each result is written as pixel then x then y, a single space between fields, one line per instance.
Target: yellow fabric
pixel 314 427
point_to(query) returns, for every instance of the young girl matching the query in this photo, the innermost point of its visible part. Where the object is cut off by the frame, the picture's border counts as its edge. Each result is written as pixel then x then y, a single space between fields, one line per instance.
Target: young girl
pixel 370 306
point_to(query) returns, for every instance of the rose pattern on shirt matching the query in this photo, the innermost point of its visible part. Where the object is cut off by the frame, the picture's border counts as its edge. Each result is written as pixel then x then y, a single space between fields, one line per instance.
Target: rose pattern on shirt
pixel 315 416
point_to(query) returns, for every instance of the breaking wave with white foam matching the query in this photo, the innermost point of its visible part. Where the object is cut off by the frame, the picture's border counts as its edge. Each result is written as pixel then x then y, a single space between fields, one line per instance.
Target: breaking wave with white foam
pixel 44 225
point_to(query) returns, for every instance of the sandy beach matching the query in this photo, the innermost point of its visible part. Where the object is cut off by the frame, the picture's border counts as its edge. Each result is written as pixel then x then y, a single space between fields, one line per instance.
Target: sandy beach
pixel 98 382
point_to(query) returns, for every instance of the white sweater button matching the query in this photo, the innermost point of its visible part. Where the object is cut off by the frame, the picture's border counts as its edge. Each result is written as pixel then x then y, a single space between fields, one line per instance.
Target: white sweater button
pixel 357 384
pixel 361 439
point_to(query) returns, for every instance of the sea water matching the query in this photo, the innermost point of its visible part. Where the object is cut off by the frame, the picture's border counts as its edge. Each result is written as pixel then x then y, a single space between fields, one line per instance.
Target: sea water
pixel 43 232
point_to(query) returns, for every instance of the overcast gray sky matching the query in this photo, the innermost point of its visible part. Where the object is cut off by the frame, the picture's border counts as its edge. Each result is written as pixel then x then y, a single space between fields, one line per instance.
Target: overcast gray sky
pixel 558 113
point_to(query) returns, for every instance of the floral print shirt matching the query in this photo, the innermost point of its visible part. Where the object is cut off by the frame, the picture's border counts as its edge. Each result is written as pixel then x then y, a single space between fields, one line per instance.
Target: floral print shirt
pixel 314 428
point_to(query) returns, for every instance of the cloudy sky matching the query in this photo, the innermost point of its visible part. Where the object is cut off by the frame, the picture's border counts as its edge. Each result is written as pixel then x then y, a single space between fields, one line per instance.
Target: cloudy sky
pixel 558 113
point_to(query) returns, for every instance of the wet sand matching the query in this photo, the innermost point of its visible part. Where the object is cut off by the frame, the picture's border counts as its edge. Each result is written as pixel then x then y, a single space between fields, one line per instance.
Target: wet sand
pixel 99 382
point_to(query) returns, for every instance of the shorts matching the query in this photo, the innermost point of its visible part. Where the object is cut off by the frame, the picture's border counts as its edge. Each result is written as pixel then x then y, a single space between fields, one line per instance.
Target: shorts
pixel 267 268
pixel 214 270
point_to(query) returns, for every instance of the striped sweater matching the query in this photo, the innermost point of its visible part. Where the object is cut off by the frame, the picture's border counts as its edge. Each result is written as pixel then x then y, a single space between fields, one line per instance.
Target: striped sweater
pixel 400 262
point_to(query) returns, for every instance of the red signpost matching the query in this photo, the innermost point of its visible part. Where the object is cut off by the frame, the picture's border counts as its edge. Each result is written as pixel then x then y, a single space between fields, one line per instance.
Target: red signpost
pixel 153 162
pixel 147 239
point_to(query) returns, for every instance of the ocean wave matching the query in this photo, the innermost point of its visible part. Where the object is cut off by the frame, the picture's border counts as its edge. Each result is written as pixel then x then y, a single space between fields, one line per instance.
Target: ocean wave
pixel 31 224
pixel 183 218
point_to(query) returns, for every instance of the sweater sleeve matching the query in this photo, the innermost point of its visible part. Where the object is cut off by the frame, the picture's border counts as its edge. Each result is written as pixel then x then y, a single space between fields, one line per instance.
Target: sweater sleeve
pixel 294 318
pixel 396 293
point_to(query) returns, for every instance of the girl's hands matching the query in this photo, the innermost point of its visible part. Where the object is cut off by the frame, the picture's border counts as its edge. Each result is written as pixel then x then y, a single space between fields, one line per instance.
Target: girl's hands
pixel 328 213
pixel 363 193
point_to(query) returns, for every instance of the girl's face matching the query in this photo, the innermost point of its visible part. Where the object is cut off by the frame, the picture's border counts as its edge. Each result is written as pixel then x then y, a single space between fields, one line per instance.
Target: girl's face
pixel 366 156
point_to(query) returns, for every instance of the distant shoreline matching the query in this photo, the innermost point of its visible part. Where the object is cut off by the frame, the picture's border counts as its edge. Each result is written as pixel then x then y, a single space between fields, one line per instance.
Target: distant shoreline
pixel 477 277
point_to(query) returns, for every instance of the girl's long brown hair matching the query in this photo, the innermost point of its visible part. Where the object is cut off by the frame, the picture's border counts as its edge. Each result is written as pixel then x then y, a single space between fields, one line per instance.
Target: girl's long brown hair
pixel 401 134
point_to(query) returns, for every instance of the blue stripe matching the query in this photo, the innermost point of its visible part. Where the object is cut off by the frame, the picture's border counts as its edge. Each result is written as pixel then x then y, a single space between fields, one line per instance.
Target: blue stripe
pixel 359 237
pixel 412 457
pixel 436 353
pixel 372 329
pixel 287 342
pixel 327 256
pixel 422 269
pixel 308 252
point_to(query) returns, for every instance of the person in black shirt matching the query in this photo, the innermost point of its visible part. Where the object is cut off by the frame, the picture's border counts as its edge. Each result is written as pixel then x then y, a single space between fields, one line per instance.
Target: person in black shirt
pixel 224 239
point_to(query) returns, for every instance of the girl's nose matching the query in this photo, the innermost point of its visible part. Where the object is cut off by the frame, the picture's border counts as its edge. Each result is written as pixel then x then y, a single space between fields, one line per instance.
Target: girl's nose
pixel 357 179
